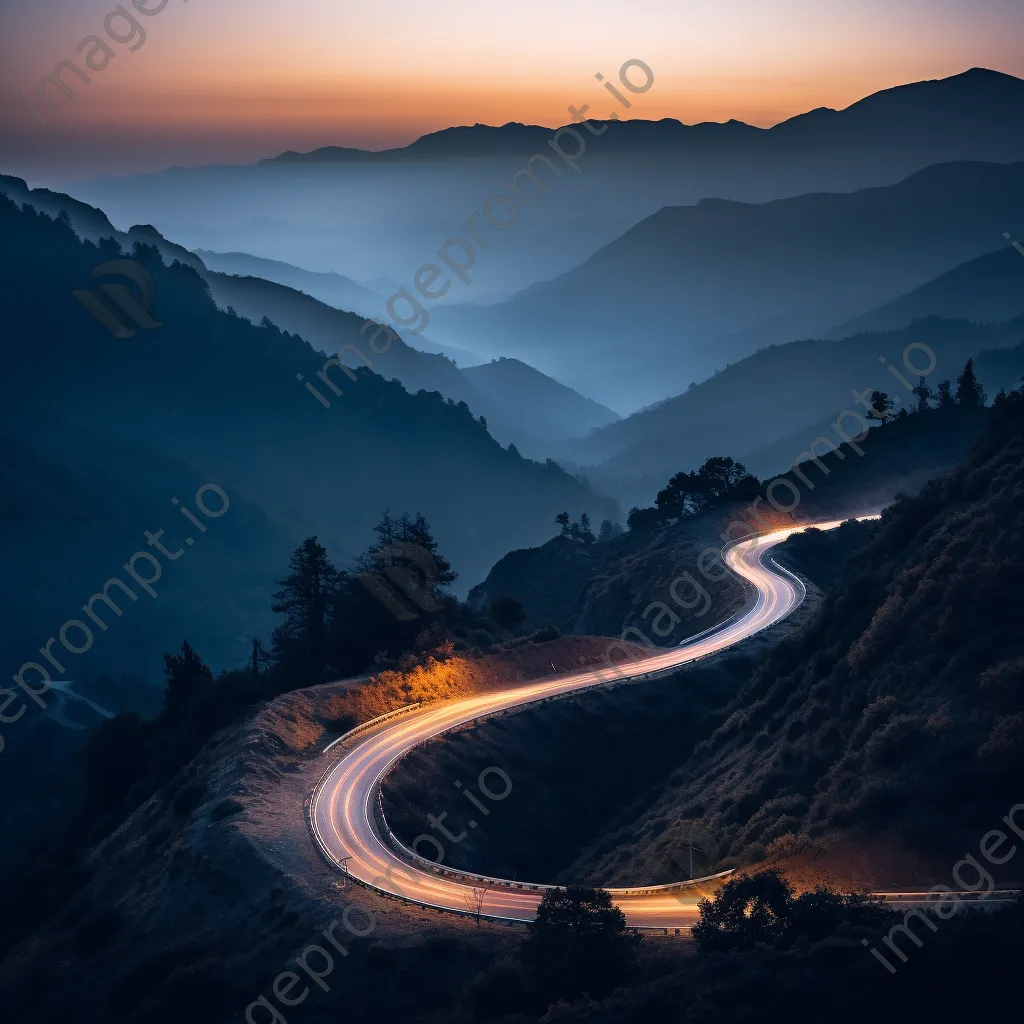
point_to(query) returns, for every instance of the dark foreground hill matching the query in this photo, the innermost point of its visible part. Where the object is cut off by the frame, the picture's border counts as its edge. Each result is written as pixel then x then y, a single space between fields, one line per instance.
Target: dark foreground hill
pixel 216 393
pixel 212 886
pixel 521 405
pixel 897 713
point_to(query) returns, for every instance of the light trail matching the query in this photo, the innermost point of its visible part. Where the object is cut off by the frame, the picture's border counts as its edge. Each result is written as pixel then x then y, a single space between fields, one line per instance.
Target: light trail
pixel 344 813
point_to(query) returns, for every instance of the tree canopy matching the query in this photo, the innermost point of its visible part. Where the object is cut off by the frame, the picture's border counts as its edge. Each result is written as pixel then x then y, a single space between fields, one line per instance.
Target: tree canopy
pixel 761 909
pixel 578 944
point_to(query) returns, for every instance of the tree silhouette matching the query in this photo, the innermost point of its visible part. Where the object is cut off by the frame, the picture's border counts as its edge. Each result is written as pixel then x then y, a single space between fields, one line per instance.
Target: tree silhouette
pixel 969 391
pixel 186 675
pixel 748 910
pixel 945 395
pixel 404 542
pixel 608 531
pixel 396 593
pixel 586 533
pixel 679 497
pixel 718 479
pixel 640 520
pixel 259 656
pixel 562 519
pixel 306 598
pixel 923 394
pixel 578 943
pixel 417 531
pixel 881 406
pixel 475 901
pixel 761 909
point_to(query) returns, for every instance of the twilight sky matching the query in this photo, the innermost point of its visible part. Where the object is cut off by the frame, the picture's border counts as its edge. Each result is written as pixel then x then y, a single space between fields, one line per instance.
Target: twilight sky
pixel 237 80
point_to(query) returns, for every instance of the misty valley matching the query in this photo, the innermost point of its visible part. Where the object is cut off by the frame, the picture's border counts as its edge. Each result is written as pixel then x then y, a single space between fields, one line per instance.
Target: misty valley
pixel 531 573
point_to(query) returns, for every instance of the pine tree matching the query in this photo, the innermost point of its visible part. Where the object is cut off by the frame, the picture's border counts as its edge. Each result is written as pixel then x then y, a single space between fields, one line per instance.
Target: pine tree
pixel 946 399
pixel 609 531
pixel 924 395
pixel 881 406
pixel 968 388
pixel 306 599
pixel 586 533
pixel 396 542
pixel 403 568
pixel 186 675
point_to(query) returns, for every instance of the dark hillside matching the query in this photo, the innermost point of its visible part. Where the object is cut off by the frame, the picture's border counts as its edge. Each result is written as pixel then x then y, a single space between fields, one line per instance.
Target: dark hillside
pixel 601 588
pixel 897 712
pixel 987 289
pixel 753 408
pixel 216 392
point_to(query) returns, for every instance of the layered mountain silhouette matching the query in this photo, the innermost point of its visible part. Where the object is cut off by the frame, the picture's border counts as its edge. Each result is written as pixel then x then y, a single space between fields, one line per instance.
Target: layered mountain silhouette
pixel 334 289
pixel 523 407
pixel 213 394
pixel 987 289
pixel 691 288
pixel 383 215
pixel 945 118
pixel 768 408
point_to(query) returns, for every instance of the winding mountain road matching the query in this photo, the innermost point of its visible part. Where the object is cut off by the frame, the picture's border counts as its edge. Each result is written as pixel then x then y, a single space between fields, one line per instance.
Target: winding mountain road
pixel 348 823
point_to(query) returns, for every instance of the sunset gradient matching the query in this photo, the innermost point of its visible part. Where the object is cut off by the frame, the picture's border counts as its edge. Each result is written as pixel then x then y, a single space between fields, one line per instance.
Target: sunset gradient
pixel 237 80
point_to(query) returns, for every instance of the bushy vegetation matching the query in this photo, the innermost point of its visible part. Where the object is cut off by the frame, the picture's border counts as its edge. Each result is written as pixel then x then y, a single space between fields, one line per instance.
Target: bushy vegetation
pixel 938 423
pixel 762 910
pixel 804 972
pixel 719 479
pixel 577 945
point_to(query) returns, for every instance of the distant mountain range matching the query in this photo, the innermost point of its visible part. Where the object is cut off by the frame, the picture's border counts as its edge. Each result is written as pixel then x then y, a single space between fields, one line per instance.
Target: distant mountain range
pixel 372 216
pixel 945 118
pixel 986 290
pixel 768 408
pixel 691 288
pixel 332 289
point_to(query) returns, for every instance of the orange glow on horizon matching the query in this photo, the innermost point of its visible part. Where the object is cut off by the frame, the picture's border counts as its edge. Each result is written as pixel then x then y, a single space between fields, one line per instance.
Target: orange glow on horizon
pixel 244 79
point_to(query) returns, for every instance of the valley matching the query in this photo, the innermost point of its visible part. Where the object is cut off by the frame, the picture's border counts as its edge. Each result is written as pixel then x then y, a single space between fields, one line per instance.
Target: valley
pixel 614 620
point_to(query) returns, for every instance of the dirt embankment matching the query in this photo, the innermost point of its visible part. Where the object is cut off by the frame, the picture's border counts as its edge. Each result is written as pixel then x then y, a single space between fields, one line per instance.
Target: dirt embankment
pixel 219 868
